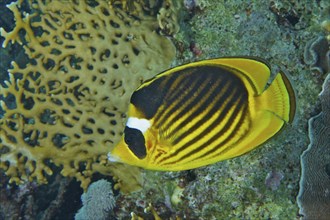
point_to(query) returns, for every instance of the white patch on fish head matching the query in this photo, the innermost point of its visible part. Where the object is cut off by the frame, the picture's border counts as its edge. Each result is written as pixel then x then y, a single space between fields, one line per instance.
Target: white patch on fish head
pixel 141 124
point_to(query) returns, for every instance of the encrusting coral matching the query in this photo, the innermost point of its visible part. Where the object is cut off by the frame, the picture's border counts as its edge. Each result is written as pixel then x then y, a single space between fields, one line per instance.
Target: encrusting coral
pixel 317 55
pixel 67 106
pixel 313 198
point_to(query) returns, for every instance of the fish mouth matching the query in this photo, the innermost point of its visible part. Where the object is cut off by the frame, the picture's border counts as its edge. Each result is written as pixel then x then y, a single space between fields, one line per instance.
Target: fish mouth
pixel 113 158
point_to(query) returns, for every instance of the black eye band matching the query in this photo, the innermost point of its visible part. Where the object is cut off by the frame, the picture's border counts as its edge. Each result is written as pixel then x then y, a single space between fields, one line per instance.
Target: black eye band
pixel 135 141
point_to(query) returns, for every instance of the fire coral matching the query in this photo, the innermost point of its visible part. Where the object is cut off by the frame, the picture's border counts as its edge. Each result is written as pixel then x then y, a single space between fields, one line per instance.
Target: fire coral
pixel 68 104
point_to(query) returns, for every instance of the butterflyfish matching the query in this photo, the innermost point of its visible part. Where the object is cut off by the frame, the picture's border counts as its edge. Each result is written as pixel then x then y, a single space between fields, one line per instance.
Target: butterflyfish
pixel 204 112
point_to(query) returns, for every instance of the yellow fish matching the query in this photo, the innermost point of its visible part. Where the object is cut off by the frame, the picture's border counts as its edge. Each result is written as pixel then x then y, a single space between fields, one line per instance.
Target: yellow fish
pixel 204 112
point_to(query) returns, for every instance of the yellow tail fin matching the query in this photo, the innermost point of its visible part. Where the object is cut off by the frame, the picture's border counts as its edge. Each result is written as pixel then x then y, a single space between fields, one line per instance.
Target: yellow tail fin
pixel 281 98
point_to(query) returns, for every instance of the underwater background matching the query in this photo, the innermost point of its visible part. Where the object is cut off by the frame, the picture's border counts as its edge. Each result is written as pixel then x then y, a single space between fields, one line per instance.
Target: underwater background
pixel 68 69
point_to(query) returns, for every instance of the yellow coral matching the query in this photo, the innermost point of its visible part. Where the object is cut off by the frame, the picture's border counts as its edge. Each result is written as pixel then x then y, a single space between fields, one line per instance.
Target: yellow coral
pixel 167 19
pixel 70 101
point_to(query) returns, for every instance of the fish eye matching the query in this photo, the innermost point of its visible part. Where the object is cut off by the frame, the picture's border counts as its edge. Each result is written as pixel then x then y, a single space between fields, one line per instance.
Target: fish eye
pixel 128 139
pixel 135 142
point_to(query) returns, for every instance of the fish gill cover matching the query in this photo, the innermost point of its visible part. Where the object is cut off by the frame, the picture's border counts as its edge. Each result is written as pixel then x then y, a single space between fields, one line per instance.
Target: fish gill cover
pixel 67 105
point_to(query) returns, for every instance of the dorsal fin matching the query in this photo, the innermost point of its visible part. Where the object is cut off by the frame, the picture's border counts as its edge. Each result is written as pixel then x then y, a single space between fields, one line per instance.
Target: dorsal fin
pixel 256 70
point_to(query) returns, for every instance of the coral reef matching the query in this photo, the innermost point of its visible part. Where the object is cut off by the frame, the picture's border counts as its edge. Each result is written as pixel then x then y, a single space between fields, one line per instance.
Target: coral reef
pixel 314 193
pixel 98 202
pixel 273 179
pixel 165 10
pixel 150 209
pixel 279 31
pixel 57 200
pixel 317 55
pixel 167 18
pixel 67 105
